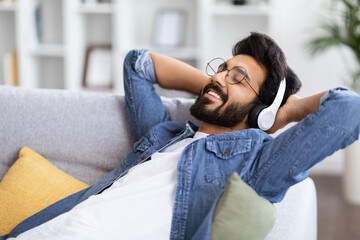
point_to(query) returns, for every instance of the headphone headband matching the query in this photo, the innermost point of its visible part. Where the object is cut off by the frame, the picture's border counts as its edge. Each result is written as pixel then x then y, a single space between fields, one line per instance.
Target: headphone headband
pixel 279 96
pixel 267 116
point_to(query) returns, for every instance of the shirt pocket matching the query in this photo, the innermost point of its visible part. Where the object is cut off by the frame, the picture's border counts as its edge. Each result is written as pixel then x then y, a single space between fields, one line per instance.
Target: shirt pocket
pixel 227 149
pixel 225 157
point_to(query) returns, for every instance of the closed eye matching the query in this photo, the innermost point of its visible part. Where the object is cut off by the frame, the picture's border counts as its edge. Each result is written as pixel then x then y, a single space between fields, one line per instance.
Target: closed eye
pixel 221 67
pixel 238 74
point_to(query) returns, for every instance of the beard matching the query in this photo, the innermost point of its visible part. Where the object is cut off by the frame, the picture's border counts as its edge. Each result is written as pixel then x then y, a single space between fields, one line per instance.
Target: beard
pixel 225 116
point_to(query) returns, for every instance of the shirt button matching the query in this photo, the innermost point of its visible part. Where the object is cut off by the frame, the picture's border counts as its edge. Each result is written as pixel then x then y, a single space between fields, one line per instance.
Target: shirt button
pixel 180 192
pixel 142 157
pixel 226 152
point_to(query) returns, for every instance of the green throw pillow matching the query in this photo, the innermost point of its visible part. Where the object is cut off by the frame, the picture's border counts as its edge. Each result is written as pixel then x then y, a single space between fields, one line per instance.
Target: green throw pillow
pixel 241 213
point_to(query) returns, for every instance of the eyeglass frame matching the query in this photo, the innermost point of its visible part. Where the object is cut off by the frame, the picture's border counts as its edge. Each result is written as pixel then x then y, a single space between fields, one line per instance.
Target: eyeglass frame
pixel 246 75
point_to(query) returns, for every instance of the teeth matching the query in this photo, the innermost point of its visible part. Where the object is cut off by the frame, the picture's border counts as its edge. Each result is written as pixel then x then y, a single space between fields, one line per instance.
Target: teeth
pixel 214 94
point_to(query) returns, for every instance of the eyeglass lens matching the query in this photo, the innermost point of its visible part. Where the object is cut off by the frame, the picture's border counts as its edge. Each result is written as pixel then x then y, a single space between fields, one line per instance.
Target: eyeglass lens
pixel 214 66
pixel 235 75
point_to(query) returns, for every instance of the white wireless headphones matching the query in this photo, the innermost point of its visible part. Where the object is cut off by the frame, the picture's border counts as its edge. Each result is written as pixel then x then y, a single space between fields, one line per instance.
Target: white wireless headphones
pixel 263 116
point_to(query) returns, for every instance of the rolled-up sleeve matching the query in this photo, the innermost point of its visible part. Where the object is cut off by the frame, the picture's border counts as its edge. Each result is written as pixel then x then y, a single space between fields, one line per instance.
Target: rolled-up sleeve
pixel 286 159
pixel 143 106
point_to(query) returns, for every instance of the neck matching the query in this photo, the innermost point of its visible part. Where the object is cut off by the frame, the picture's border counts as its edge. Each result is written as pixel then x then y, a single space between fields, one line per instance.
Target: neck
pixel 216 129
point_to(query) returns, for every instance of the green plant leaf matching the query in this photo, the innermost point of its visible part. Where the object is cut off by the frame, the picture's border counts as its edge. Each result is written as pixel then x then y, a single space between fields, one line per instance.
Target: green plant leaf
pixel 345 33
pixel 333 37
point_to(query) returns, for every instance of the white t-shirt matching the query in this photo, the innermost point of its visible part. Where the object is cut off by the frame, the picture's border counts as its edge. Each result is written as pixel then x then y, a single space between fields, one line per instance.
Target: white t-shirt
pixel 139 205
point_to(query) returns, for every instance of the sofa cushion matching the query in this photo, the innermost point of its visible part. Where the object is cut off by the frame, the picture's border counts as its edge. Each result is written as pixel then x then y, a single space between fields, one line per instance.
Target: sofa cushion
pixel 30 185
pixel 241 213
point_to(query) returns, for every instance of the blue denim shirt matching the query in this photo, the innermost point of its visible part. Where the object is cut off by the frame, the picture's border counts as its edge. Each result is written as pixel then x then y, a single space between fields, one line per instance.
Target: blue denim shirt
pixel 269 165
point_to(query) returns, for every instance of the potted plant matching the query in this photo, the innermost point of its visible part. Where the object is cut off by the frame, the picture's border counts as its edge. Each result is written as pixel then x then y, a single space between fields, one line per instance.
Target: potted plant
pixel 346 33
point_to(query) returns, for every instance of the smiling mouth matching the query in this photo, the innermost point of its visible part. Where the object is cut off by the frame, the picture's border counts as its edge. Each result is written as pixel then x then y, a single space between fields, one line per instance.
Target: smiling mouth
pixel 214 94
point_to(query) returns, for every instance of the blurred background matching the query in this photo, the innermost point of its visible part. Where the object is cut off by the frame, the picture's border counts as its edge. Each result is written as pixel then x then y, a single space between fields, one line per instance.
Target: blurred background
pixel 79 45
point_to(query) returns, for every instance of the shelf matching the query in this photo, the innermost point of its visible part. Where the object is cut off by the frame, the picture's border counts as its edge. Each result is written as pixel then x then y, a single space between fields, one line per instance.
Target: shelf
pixel 244 10
pixel 70 26
pixel 49 50
pixel 8 6
pixel 96 8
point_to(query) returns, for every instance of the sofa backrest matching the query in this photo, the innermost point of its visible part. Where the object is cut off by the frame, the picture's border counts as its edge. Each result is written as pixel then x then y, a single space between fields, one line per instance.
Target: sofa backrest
pixel 85 134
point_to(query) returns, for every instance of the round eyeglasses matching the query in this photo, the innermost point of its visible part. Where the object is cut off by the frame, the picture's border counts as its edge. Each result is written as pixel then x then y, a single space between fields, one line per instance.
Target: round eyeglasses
pixel 233 76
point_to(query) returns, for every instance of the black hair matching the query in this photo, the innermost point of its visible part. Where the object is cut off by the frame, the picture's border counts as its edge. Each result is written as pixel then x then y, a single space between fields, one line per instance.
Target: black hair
pixel 268 54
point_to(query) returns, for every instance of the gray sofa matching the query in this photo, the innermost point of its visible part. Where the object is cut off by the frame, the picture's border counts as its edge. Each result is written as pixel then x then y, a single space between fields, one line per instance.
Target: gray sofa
pixel 86 135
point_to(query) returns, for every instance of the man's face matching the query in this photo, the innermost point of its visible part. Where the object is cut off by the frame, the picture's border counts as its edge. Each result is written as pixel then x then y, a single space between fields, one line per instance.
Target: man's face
pixel 226 105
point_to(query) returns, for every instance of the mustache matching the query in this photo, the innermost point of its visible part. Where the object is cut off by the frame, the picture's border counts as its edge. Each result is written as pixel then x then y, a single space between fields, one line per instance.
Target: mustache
pixel 223 96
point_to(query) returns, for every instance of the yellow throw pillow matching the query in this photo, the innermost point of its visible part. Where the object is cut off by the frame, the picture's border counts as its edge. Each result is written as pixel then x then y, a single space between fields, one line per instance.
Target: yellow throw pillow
pixel 32 184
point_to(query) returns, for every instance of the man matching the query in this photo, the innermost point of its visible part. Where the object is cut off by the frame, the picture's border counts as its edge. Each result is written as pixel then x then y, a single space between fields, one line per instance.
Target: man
pixel 177 171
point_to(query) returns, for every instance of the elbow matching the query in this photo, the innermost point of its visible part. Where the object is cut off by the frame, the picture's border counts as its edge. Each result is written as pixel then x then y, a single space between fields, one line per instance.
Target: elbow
pixel 345 107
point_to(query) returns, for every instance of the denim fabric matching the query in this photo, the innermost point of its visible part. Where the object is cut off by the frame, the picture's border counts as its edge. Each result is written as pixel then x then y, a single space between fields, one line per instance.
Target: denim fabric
pixel 269 165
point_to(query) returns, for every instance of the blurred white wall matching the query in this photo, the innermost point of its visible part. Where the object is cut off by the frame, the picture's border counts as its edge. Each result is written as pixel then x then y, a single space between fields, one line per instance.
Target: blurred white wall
pixel 294 23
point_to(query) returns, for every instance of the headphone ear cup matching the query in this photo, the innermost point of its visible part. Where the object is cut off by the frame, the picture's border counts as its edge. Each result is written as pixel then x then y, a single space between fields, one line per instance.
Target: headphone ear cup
pixel 254 114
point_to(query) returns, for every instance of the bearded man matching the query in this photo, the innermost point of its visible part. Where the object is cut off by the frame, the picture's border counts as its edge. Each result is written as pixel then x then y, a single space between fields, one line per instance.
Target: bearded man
pixel 166 187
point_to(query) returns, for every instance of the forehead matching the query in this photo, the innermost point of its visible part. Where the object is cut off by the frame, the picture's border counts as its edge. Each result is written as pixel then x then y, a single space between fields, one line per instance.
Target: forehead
pixel 257 73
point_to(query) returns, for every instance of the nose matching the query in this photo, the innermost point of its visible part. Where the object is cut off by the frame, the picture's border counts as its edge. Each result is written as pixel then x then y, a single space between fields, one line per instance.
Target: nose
pixel 219 79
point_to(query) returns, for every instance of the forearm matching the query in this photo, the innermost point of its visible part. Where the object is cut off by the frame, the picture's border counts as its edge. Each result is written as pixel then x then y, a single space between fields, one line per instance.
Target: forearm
pixel 295 109
pixel 288 157
pixel 174 74
pixel 304 106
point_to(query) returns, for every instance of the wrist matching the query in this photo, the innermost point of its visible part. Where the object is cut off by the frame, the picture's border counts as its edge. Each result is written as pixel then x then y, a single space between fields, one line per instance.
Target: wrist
pixel 294 110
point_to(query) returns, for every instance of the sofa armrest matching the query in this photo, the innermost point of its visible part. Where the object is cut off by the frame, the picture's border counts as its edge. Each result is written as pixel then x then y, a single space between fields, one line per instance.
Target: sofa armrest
pixel 296 214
